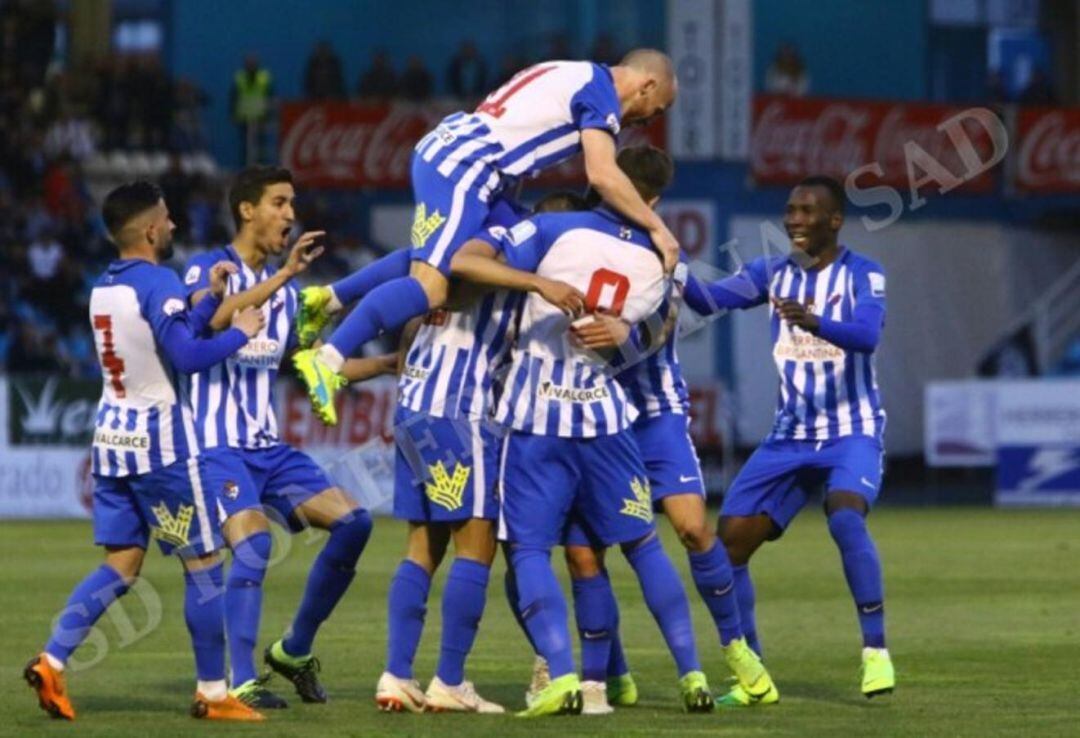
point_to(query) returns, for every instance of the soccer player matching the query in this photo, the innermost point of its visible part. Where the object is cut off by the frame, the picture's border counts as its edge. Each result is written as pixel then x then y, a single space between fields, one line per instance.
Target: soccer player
pixel 545 114
pixel 250 466
pixel 827 307
pixel 149 480
pixel 569 445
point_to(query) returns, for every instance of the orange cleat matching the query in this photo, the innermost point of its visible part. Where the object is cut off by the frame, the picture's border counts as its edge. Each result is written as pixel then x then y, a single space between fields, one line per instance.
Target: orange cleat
pixel 229 708
pixel 50 687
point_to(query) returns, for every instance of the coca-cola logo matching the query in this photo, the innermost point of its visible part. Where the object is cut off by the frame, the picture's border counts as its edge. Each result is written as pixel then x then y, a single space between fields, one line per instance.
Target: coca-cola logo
pixel 1049 153
pixel 835 141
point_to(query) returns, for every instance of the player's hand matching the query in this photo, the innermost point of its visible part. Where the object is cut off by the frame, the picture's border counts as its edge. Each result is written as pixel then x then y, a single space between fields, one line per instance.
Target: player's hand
pixel 665 243
pixel 219 277
pixel 303 252
pixel 250 320
pixel 603 331
pixel 796 314
pixel 566 297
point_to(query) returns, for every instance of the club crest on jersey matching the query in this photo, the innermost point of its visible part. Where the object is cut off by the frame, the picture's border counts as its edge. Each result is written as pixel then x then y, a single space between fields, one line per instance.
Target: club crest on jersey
pixel 231 490
pixel 424 225
pixel 172 529
pixel 192 275
pixel 613 124
pixel 447 490
pixel 172 306
pixel 640 505
pixel 625 233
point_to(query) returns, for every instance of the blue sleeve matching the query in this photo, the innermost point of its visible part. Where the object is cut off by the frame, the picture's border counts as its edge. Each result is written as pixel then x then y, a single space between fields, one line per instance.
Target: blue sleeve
pixel 745 289
pixel 201 315
pixel 525 244
pixel 596 105
pixel 197 273
pixel 863 332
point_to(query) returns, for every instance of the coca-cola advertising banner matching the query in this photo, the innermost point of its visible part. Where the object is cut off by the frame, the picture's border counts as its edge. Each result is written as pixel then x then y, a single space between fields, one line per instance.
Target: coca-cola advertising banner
pixel 346 145
pixel 890 142
pixel 1047 150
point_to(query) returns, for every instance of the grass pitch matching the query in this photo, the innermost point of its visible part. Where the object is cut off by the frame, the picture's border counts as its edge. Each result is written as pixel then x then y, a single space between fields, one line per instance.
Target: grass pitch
pixel 983 615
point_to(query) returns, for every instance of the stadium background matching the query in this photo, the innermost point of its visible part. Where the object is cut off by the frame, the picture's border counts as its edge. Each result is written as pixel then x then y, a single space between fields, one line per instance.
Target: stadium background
pixel 980 364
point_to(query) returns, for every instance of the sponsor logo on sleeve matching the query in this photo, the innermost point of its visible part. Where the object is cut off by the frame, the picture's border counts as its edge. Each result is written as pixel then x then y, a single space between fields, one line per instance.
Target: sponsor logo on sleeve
pixel 522 232
pixel 173 306
pixel 877 284
pixel 613 125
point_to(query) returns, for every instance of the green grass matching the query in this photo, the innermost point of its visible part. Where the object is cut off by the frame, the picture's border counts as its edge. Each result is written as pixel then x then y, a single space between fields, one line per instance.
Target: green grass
pixel 983 615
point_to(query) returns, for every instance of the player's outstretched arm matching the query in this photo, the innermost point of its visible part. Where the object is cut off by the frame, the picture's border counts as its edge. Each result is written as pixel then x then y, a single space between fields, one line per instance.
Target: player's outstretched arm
pixel 302 254
pixel 475 262
pixel 618 191
pixel 737 292
pixel 359 370
pixel 190 353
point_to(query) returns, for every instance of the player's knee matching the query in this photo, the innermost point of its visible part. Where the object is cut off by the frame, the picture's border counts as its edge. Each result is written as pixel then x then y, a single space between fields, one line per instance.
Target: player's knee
pixel 739 540
pixel 432 281
pixel 251 556
pixel 847 526
pixel 352 533
pixel 837 501
pixel 126 562
pixel 696 536
pixel 583 562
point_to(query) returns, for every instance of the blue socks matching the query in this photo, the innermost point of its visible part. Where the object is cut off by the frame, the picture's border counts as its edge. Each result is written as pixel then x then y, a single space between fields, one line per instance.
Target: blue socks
pixel 863 572
pixel 406 608
pixel 715 583
pixel 359 283
pixel 87 603
pixel 666 599
pixel 617 665
pixel 462 607
pixel 543 608
pixel 328 580
pixel 513 598
pixel 386 308
pixel 204 613
pixel 596 621
pixel 744 595
pixel 243 603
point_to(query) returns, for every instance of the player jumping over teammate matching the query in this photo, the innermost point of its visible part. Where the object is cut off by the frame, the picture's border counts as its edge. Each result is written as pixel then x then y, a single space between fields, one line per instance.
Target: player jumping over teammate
pixel 544 115
pixel 149 480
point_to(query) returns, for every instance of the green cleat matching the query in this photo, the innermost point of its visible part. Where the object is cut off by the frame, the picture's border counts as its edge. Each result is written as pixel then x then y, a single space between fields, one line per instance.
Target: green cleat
pixel 738 697
pixel 750 673
pixel 622 690
pixel 878 676
pixel 696 696
pixel 561 697
pixel 254 693
pixel 321 382
pixel 312 316
pixel 301 671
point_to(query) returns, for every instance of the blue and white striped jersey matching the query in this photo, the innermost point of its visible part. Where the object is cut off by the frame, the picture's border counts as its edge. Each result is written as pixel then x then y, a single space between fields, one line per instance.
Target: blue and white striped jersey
pixel 144 420
pixel 655 384
pixel 234 400
pixel 532 122
pixel 826 392
pixel 553 387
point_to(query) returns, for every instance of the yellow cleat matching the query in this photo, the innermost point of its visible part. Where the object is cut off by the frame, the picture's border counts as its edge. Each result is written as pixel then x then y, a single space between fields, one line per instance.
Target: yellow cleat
pixel 738 697
pixel 313 315
pixel 322 383
pixel 878 675
pixel 750 673
pixel 561 697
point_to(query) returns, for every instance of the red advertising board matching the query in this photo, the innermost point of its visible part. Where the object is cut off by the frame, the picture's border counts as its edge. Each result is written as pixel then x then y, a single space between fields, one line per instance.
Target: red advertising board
pixel 1047 144
pixel 794 138
pixel 347 145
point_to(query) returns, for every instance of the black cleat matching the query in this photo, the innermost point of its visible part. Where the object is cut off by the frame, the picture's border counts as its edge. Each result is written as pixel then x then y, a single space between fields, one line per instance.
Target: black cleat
pixel 304 676
pixel 254 693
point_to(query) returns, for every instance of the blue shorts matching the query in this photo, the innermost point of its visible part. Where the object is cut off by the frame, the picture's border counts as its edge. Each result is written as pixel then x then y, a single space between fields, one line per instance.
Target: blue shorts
pixel 546 479
pixel 174 504
pixel 448 213
pixel 278 477
pixel 669 455
pixel 779 476
pixel 445 469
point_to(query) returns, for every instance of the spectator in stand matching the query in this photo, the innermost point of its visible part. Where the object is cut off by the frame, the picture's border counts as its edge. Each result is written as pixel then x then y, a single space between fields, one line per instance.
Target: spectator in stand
pixel 380 82
pixel 188 134
pixel 322 76
pixel 70 135
pixel 1038 91
pixel 416 81
pixel 466 75
pixel 604 51
pixel 787 74
pixel 250 98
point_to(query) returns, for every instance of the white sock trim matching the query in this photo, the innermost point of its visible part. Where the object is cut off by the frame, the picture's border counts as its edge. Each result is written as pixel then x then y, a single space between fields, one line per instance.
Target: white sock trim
pixel 334 305
pixel 331 357
pixel 214 691
pixel 54 662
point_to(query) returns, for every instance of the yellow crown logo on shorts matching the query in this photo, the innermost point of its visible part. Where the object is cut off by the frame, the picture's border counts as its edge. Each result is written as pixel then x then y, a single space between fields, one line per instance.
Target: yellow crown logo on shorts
pixel 446 490
pixel 424 225
pixel 641 505
pixel 171 529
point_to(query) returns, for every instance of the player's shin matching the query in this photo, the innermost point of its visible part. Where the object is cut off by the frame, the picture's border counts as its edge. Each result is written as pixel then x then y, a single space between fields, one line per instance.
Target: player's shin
pixel 463 604
pixel 243 603
pixel 386 308
pixel 359 283
pixel 204 615
pixel 862 568
pixel 543 608
pixel 715 582
pixel 406 610
pixel 745 596
pixel 596 625
pixel 87 603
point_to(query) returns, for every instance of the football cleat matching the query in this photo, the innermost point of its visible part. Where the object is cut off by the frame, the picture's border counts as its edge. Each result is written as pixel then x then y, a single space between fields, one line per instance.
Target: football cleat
pixel 254 693
pixel 321 383
pixel 229 708
pixel 594 699
pixel 748 669
pixel 441 697
pixel 313 315
pixel 878 676
pixel 397 695
pixel 738 697
pixel 694 688
pixel 622 690
pixel 302 672
pixel 561 697
pixel 541 677
pixel 50 687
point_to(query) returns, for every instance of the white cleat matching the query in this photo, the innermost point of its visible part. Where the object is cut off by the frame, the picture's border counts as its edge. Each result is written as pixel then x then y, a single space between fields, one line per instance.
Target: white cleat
pixel 398 695
pixel 541 677
pixel 595 701
pixel 441 697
